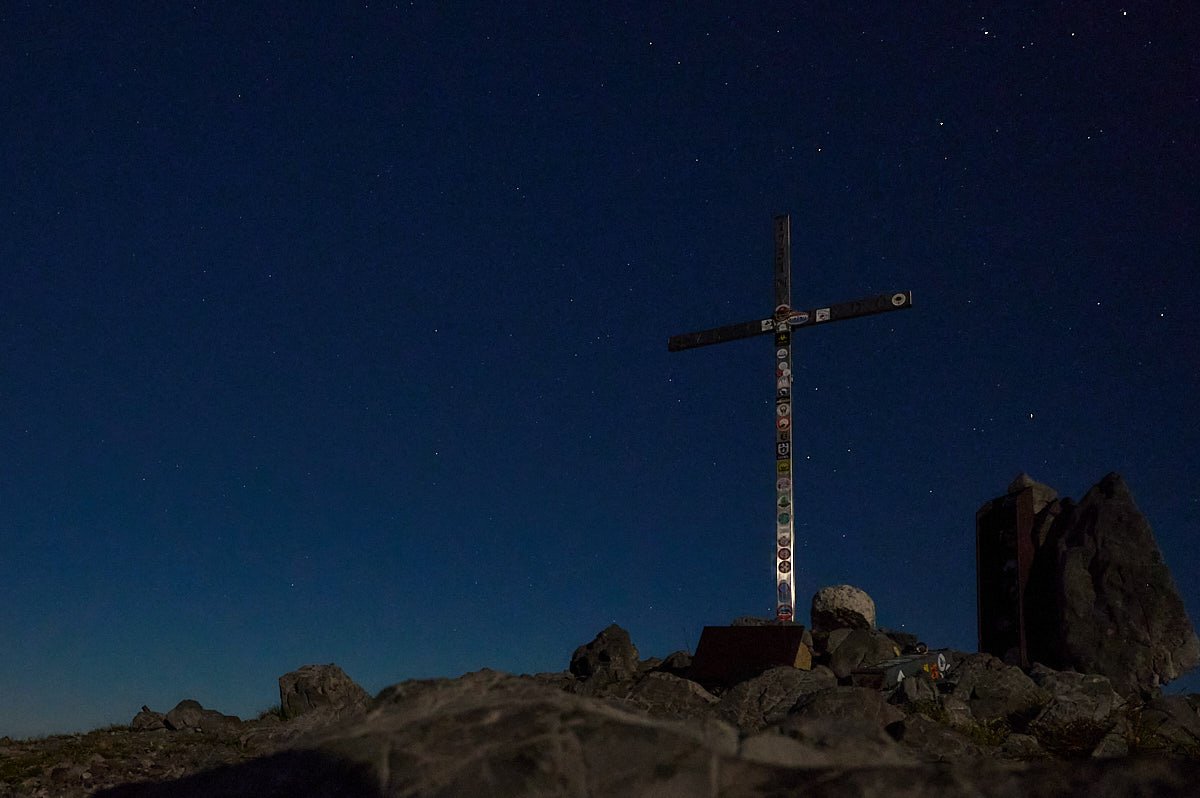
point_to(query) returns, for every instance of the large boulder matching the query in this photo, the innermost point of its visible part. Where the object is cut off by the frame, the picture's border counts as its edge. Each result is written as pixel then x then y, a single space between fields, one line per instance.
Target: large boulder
pixel 662 695
pixel 610 657
pixel 842 607
pixel 148 720
pixel 1082 710
pixel 997 692
pixel 860 703
pixel 1104 599
pixel 756 703
pixel 858 649
pixel 322 689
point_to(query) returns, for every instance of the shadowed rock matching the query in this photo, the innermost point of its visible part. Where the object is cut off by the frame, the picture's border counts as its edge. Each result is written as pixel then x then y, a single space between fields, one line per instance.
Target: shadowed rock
pixel 324 689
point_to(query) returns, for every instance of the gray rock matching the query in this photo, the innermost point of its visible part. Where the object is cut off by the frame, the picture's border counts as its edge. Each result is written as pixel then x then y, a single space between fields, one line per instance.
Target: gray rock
pixel 915 691
pixel 929 741
pixel 840 742
pixel 1170 725
pixel 662 695
pixel 861 703
pixel 756 703
pixel 1082 710
pixel 995 691
pixel 189 715
pixel 324 689
pixel 148 720
pixel 860 648
pixel 842 606
pixel 677 663
pixel 610 657
pixel 1021 747
pixel 1105 600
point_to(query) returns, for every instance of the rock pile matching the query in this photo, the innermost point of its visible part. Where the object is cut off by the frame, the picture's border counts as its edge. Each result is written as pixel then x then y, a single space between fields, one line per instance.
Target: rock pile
pixel 867 712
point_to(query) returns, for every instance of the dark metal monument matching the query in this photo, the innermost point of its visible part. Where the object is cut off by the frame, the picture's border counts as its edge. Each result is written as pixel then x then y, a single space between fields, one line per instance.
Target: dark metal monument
pixel 782 324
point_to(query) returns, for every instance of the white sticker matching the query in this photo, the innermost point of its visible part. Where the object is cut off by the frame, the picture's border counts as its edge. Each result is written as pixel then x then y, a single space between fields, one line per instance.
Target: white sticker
pixel 767 324
pixel 899 299
pixel 822 314
pixel 781 354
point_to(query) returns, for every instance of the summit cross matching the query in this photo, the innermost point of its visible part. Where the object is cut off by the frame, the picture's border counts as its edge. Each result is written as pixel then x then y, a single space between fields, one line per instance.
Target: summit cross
pixel 782 324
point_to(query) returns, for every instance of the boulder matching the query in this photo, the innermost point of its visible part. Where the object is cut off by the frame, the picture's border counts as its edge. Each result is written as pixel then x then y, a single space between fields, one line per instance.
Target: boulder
pixel 661 695
pixel 860 648
pixel 1105 601
pixel 148 720
pixel 767 698
pixel 610 657
pixel 862 703
pixel 189 715
pixel 930 741
pixel 914 693
pixel 842 606
pixel 828 741
pixel 1170 725
pixel 677 663
pixel 323 689
pixel 1082 710
pixel 995 691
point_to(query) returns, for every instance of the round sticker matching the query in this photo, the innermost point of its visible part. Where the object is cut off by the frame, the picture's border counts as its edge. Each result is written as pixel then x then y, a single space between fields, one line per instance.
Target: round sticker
pixel 782 311
pixel 784 409
pixel 784 501
pixel 781 354
pixel 785 591
pixel 785 567
pixel 785 554
pixel 783 484
pixel 784 518
pixel 899 299
pixel 783 423
pixel 784 540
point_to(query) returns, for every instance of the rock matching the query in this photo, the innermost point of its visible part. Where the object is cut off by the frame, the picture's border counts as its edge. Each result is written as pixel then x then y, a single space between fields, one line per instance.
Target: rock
pixel 754 704
pixel 190 715
pixel 1022 747
pixel 847 702
pixel 1083 708
pixel 908 642
pixel 677 663
pixel 1105 601
pixel 915 692
pixel 995 691
pixel 842 606
pixel 837 741
pixel 610 657
pixel 1168 725
pixel 929 741
pixel 325 689
pixel 148 720
pixel 860 648
pixel 661 695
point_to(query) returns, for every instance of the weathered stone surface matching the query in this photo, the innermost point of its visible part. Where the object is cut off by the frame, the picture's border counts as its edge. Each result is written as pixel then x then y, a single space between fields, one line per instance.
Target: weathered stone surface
pixel 190 715
pixel 842 606
pixel 610 657
pixel 860 648
pixel 320 688
pixel 1168 724
pixel 767 698
pixel 1082 709
pixel 833 742
pixel 1022 747
pixel 677 663
pixel 662 695
pixel 1106 602
pixel 995 691
pixel 914 692
pixel 148 720
pixel 847 702
pixel 929 741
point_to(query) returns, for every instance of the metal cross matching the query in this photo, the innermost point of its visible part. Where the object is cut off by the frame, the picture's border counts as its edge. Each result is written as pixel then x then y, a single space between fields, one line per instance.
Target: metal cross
pixel 782 324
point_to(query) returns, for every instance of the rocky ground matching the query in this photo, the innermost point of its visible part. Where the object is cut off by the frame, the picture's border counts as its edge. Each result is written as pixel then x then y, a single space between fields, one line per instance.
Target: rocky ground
pixel 617 725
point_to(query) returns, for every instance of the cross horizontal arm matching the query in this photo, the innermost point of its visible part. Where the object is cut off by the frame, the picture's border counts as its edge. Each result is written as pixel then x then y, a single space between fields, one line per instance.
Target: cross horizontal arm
pixel 867 306
pixel 730 332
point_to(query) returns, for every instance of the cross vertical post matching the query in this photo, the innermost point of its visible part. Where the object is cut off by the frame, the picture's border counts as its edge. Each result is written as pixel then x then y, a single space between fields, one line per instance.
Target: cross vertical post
pixel 783 323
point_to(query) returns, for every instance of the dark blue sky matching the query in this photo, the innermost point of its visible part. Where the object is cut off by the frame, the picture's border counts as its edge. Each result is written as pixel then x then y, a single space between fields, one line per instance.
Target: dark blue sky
pixel 338 333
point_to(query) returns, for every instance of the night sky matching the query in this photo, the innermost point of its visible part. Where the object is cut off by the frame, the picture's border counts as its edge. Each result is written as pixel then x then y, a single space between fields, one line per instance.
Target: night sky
pixel 337 333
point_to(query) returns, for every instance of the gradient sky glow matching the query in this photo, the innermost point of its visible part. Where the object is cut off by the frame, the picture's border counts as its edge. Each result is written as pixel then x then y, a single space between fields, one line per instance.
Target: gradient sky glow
pixel 337 333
